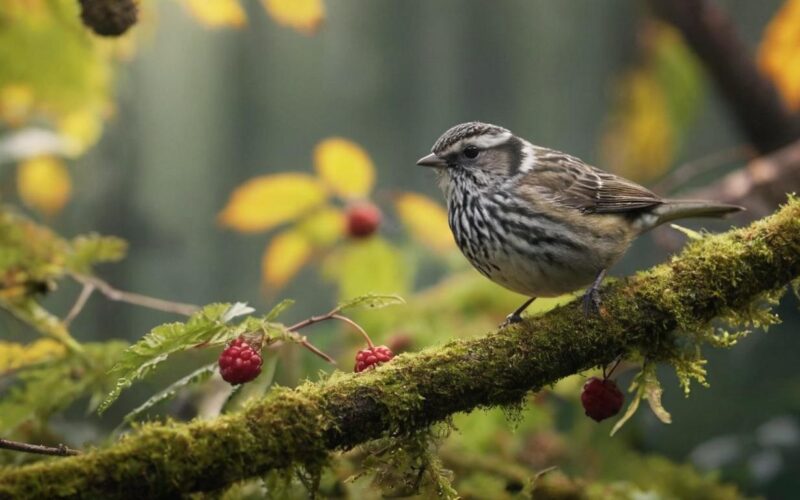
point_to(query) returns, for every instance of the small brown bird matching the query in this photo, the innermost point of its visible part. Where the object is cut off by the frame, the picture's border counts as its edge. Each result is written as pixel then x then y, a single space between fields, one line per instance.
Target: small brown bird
pixel 540 222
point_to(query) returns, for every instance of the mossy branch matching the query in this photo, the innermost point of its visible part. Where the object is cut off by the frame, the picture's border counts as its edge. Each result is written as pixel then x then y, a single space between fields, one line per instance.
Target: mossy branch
pixel 645 314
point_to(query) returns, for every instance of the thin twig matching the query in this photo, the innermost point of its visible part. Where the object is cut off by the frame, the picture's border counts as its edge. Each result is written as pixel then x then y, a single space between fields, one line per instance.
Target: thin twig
pixel 316 350
pixel 692 169
pixel 86 292
pixel 60 450
pixel 135 298
pixel 334 314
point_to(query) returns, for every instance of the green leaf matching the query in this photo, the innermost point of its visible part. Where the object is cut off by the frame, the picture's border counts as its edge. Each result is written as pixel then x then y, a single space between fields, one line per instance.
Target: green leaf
pixel 370 301
pixel 629 412
pixel 205 327
pixel 236 310
pixel 369 266
pixel 647 387
pixel 278 309
pixel 198 376
pixel 652 393
pixel 690 233
pixel 51 387
pixel 93 249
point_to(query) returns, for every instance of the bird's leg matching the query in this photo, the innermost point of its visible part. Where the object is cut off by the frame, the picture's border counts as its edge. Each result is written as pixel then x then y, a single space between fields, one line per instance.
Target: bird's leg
pixel 516 316
pixel 591 299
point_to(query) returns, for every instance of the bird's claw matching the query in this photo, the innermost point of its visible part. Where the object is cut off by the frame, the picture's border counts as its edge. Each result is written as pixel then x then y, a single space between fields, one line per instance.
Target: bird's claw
pixel 591 302
pixel 511 319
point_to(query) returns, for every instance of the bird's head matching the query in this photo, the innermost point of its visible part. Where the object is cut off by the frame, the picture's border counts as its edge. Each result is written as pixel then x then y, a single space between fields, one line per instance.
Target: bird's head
pixel 480 155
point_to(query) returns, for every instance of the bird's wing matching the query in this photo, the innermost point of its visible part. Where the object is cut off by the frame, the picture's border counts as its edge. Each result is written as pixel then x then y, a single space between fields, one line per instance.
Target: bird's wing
pixel 567 180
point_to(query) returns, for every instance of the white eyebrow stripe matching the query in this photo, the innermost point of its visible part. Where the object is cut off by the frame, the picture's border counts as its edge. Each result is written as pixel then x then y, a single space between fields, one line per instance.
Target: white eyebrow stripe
pixel 528 158
pixel 481 141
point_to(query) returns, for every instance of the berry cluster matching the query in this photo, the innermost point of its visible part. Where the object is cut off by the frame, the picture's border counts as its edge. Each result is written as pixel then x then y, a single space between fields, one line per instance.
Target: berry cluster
pixel 371 357
pixel 601 398
pixel 239 362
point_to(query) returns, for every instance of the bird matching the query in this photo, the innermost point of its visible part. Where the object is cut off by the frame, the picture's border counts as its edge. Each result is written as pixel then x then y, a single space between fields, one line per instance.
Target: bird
pixel 540 222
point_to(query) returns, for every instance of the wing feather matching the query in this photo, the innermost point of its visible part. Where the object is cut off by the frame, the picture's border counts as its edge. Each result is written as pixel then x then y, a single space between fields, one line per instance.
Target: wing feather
pixel 569 181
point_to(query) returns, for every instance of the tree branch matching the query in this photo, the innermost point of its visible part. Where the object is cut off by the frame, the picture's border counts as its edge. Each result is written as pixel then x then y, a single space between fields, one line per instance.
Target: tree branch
pixel 300 427
pixel 751 97
pixel 59 451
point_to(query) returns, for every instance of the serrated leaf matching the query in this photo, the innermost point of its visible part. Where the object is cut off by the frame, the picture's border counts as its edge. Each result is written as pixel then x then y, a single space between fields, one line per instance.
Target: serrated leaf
pixel 278 309
pixel 196 377
pixel 305 16
pixel 345 167
pixel 93 249
pixel 204 327
pixel 370 301
pixel 426 220
pixel 270 200
pixel 283 258
pixel 44 184
pixel 236 310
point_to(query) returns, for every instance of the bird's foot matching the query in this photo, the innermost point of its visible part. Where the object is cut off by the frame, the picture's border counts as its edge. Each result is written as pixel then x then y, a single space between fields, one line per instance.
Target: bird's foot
pixel 591 302
pixel 511 319
pixel 591 299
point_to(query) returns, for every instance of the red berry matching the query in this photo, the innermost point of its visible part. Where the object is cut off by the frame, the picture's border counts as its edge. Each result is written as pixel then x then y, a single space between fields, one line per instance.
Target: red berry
pixel 239 362
pixel 601 398
pixel 372 356
pixel 363 219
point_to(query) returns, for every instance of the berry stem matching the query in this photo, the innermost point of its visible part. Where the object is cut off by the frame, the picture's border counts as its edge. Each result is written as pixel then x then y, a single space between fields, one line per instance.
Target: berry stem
pixel 311 347
pixel 334 314
pixel 356 326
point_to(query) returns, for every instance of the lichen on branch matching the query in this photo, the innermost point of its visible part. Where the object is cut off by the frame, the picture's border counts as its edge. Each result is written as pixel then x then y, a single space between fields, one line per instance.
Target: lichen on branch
pixel 653 314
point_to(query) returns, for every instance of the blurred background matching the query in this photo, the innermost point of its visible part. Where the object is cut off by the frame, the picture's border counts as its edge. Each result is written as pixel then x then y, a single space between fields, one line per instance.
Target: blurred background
pixel 195 102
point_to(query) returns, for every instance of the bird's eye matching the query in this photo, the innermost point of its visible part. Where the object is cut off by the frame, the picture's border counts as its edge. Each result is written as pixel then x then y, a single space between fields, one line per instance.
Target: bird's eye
pixel 471 152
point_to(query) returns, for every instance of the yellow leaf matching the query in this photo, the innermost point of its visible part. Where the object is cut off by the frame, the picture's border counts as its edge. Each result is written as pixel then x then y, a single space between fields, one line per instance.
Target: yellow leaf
pixel 779 53
pixel 81 129
pixel 217 13
pixel 305 16
pixel 44 184
pixel 323 227
pixel 367 266
pixel 267 201
pixel 14 356
pixel 345 167
pixel 16 101
pixel 426 220
pixel 639 143
pixel 284 257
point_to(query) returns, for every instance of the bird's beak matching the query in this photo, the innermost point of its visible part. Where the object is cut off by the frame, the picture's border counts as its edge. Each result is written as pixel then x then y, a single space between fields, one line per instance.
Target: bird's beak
pixel 432 161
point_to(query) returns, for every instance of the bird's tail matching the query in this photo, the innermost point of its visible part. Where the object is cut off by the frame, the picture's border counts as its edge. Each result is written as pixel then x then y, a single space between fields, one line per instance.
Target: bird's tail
pixel 683 209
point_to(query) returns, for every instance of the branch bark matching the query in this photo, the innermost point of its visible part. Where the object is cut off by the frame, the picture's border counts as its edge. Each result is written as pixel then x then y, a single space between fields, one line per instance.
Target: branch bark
pixel 300 427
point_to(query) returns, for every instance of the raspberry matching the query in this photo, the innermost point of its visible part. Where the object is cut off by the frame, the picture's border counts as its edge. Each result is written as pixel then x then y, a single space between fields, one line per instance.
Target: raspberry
pixel 372 356
pixel 239 362
pixel 601 398
pixel 363 219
